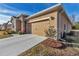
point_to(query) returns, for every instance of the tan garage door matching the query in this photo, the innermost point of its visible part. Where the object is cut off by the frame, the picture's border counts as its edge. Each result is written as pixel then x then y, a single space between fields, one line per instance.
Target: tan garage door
pixel 39 28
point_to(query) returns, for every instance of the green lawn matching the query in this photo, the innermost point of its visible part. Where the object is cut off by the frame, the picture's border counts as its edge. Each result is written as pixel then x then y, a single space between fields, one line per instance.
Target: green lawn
pixel 76 26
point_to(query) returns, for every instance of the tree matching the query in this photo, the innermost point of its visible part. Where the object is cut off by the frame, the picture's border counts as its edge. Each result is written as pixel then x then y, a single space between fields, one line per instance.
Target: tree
pixel 73 17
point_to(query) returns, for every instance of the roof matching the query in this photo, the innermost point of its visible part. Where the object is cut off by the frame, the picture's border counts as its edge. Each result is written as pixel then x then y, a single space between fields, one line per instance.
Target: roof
pixel 16 17
pixel 45 11
pixel 67 17
pixel 22 15
pixel 50 9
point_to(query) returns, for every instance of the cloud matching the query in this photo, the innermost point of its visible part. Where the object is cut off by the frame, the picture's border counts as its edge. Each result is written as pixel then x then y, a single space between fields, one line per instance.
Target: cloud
pixel 77 17
pixel 4 18
pixel 7 6
pixel 6 11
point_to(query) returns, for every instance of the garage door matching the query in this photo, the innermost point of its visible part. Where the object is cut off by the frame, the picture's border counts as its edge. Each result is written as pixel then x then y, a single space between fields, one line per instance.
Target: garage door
pixel 39 28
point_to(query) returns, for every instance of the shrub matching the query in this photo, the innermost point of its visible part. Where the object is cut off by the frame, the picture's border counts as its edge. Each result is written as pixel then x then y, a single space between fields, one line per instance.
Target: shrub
pixel 5 33
pixel 9 31
pixel 50 32
pixel 73 27
pixel 20 33
pixel 13 32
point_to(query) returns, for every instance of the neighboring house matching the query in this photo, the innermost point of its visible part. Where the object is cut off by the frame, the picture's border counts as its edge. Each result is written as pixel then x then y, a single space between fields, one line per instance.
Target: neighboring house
pixel 4 26
pixel 54 16
pixel 9 25
pixel 0 27
pixel 19 23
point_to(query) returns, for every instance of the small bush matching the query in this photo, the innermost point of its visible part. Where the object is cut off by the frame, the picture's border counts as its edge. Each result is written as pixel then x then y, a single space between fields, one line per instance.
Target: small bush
pixel 13 32
pixel 20 33
pixel 50 32
pixel 9 31
pixel 73 27
pixel 5 33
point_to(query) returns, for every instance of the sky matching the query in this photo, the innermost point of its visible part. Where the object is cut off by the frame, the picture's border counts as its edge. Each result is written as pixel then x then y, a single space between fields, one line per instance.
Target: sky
pixel 13 9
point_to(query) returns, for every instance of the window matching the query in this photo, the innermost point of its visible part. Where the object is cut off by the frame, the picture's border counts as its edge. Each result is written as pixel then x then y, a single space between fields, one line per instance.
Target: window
pixel 64 26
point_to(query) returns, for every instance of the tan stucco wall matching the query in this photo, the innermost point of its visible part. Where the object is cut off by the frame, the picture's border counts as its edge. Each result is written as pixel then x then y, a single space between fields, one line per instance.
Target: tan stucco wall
pixel 14 24
pixel 65 21
pixel 61 21
pixel 38 25
pixel 41 26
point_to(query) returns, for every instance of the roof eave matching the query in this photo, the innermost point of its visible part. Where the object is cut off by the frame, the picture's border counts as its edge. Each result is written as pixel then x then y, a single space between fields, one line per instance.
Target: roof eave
pixel 43 11
pixel 67 16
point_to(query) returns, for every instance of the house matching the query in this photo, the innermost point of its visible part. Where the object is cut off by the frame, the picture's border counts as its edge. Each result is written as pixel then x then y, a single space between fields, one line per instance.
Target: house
pixel 19 23
pixel 0 26
pixel 54 16
pixel 9 25
pixel 4 26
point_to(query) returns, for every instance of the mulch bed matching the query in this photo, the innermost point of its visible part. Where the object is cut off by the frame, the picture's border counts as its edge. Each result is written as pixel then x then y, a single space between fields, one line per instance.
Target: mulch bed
pixel 53 43
pixel 50 47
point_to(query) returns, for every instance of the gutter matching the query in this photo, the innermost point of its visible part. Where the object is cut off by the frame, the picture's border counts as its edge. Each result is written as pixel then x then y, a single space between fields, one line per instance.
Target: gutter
pixel 43 11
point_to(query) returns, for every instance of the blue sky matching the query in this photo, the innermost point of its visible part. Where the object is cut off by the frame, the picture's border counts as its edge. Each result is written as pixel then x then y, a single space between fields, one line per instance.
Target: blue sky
pixel 13 9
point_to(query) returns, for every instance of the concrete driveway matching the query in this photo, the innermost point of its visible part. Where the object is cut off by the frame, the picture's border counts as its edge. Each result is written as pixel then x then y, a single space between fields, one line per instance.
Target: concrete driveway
pixel 13 46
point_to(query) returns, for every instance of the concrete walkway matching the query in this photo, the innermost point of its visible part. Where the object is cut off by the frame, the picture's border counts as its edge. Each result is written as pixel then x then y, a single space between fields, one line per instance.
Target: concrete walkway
pixel 15 45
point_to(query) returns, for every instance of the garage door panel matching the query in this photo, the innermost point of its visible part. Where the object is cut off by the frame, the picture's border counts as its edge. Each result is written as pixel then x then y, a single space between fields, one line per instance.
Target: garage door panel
pixel 40 27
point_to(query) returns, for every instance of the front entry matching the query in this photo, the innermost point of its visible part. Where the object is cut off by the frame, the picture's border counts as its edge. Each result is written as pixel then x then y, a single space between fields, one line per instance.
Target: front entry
pixel 18 25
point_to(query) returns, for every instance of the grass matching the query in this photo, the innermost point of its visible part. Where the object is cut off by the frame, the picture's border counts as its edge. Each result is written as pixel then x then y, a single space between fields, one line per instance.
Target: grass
pixel 77 26
pixel 4 34
pixel 43 50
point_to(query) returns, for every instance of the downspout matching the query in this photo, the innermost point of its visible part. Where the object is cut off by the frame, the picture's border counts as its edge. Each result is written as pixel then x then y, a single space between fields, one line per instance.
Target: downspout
pixel 58 24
